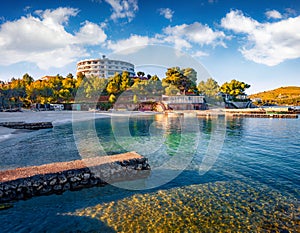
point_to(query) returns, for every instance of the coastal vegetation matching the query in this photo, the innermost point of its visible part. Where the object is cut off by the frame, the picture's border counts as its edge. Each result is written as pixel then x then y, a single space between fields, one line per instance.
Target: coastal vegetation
pixel 210 88
pixel 25 91
pixel 234 88
pixel 289 95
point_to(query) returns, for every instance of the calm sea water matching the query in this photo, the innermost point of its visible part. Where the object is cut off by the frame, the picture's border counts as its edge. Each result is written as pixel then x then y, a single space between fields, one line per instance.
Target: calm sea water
pixel 208 175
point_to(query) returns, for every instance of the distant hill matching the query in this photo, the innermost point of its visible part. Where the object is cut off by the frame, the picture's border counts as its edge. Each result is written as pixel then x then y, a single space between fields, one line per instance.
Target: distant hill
pixel 282 96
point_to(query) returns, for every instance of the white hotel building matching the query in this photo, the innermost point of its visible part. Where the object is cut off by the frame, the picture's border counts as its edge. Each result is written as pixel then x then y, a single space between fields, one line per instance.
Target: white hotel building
pixel 104 67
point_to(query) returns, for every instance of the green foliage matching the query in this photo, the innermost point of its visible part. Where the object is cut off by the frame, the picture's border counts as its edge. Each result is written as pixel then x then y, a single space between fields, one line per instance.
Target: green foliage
pixel 112 98
pixel 125 81
pixel 114 84
pixel 234 88
pixel 172 90
pixel 94 87
pixel 25 91
pixel 182 79
pixel 209 88
pixel 151 87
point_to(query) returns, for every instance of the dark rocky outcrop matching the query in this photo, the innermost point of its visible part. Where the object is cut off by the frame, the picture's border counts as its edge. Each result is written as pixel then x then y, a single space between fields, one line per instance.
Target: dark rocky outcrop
pixel 24 125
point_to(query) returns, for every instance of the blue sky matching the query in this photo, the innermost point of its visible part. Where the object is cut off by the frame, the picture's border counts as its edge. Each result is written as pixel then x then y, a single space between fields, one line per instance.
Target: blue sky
pixel 257 42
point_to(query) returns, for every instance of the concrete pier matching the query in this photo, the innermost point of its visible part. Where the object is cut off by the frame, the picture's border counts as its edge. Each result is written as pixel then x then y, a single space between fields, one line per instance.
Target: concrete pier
pixel 55 178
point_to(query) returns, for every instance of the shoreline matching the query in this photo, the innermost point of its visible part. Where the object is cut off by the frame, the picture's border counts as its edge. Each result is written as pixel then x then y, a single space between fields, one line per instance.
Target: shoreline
pixel 65 116
pixel 56 118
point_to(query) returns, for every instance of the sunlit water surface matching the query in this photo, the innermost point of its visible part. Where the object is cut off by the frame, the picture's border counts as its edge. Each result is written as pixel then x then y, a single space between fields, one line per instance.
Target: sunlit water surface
pixel 240 175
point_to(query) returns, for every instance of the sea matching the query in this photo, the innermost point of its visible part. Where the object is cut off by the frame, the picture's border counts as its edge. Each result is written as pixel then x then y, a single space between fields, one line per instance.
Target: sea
pixel 208 174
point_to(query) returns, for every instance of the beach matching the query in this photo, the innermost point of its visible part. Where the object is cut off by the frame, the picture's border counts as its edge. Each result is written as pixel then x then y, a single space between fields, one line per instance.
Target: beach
pixel 56 118
pixel 60 117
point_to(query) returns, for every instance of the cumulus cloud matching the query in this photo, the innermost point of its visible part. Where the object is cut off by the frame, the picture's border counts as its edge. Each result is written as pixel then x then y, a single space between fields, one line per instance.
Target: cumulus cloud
pixel 123 9
pixel 236 21
pixel 90 34
pixel 273 14
pixel 266 43
pixel 166 12
pixel 185 34
pixel 43 40
pixel 130 44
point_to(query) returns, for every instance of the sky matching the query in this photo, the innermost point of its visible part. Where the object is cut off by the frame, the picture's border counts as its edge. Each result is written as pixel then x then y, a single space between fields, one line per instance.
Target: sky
pixel 257 41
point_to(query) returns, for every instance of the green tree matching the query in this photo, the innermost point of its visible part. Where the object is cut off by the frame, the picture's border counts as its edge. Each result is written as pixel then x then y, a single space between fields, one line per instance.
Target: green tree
pixel 94 87
pixel 125 81
pixel 172 90
pixel 175 76
pixel 27 79
pixel 114 83
pixel 234 88
pixel 209 88
pixel 190 73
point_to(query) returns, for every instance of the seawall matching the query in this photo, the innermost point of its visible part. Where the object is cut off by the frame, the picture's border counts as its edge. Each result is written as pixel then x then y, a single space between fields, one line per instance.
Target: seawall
pixel 25 125
pixel 56 178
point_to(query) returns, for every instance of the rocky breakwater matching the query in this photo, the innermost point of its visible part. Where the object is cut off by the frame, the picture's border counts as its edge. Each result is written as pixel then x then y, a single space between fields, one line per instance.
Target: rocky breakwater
pixel 25 125
pixel 55 178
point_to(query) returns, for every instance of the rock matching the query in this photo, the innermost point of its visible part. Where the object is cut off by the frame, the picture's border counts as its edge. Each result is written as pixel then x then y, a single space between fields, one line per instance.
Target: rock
pixel 9 187
pixel 67 186
pixel 75 179
pixel 57 187
pixel 62 179
pixel 24 125
pixel 53 181
pixel 46 190
pixel 86 176
pixel 138 167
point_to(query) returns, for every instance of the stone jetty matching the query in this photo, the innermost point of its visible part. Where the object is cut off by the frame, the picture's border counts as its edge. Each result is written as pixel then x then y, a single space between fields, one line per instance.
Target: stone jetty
pixel 25 125
pixel 55 178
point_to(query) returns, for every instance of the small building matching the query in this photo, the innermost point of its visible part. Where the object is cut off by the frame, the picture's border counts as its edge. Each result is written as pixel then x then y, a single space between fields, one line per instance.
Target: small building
pixel 185 102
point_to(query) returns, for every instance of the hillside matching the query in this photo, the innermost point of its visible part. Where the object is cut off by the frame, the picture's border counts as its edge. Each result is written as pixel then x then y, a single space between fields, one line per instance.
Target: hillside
pixel 282 96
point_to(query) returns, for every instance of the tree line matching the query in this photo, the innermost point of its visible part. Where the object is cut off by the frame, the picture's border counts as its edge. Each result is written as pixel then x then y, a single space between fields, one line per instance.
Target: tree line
pixel 25 91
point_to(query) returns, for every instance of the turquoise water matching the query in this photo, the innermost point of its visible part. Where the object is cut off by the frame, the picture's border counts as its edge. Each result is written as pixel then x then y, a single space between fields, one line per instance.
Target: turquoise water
pixel 240 175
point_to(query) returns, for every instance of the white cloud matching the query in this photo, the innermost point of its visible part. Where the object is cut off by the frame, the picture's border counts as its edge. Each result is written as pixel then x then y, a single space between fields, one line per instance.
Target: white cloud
pixel 236 21
pixel 200 54
pixel 266 43
pixel 194 33
pixel 123 9
pixel 129 45
pixel 90 34
pixel 166 12
pixel 180 36
pixel 43 40
pixel 273 14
